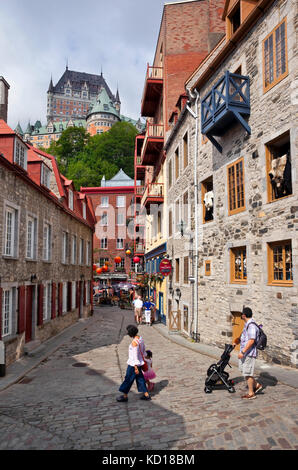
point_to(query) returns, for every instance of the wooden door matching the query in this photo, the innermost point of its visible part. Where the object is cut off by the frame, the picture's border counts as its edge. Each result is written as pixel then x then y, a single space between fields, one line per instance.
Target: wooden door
pixel 175 320
pixel 29 308
pixel 238 325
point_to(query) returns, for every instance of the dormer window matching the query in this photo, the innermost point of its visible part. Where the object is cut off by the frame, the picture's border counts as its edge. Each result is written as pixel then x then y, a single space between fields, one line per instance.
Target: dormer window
pixel 234 19
pixel 50 129
pixel 45 176
pixel 20 154
pixel 84 210
pixel 70 199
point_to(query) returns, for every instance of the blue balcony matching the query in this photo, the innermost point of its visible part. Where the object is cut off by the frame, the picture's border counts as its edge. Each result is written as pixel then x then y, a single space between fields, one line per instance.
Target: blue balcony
pixel 225 104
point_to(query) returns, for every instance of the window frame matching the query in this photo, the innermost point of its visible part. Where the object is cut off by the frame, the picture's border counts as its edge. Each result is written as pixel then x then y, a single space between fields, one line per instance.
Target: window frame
pixel 207 271
pixel 269 158
pixel 233 279
pixel 33 245
pixel 270 256
pixel 14 241
pixel 285 74
pixel 237 209
pixel 7 318
pixel 47 244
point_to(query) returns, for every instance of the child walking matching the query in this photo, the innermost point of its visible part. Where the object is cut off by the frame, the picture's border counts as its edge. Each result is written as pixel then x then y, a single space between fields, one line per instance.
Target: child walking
pixel 149 374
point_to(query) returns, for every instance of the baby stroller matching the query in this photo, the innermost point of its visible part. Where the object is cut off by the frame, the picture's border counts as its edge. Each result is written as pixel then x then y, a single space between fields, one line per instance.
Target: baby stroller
pixel 216 375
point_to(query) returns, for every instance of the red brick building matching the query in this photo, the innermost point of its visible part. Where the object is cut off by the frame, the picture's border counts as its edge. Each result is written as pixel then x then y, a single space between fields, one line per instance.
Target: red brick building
pixel 113 207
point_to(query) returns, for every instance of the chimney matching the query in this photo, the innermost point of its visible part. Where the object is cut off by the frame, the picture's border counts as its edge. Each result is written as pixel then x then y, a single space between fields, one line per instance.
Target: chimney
pixel 4 87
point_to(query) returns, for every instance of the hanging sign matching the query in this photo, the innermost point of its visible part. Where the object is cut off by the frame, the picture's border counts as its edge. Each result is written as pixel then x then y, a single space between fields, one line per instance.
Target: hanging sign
pixel 165 267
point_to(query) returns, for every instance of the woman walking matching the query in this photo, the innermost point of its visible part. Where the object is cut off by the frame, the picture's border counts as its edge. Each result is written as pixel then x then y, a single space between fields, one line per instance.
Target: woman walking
pixel 135 361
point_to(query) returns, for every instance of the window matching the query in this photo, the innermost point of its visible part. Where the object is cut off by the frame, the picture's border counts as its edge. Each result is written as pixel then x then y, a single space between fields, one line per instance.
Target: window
pixel 6 312
pixel 20 155
pixel 207 268
pixel 120 265
pixel 73 295
pixel 186 270
pixel 64 297
pixel 31 238
pixel 120 201
pixel 74 250
pixel 120 244
pixel 185 150
pixel 185 209
pixel 177 268
pixel 238 265
pixel 84 210
pixel 280 268
pixel 104 243
pixel 70 199
pixel 120 218
pixel 11 232
pixel 170 223
pixel 236 195
pixel 207 199
pixel 103 261
pixel 88 245
pixel 47 301
pixel 45 176
pixel 64 247
pixel 234 20
pixel 104 219
pixel 170 173
pixel 275 60
pixel 177 169
pixel 87 287
pixel 47 242
pixel 81 256
pixel 279 168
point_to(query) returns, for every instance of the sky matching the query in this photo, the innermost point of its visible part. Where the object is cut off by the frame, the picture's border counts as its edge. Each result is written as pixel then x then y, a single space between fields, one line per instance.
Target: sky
pixel 38 37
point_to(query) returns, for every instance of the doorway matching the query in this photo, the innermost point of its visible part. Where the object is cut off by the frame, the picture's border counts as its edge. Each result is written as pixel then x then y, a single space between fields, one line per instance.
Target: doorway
pixel 237 325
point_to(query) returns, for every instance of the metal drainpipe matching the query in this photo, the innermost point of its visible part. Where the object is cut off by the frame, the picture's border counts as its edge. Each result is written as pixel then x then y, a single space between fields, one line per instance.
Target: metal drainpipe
pixel 195 115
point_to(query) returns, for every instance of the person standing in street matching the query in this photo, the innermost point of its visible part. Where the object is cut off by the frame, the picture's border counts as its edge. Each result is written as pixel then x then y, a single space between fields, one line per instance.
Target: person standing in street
pixel 147 306
pixel 138 305
pixel 136 352
pixel 248 354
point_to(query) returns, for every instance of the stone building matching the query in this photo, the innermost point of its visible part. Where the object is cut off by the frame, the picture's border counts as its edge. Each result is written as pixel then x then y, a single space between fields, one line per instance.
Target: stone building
pixel 188 31
pixel 242 180
pixel 46 239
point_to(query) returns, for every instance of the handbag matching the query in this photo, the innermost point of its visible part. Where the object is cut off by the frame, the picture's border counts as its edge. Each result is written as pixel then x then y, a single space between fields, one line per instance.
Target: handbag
pixel 144 367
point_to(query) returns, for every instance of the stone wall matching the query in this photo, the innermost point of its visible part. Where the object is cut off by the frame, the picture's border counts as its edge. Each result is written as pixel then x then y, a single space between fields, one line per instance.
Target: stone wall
pixel 262 222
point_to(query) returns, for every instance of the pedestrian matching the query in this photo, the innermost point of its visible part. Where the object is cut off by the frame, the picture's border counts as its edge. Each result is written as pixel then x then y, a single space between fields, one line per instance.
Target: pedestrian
pixel 248 353
pixel 136 352
pixel 153 310
pixel 147 306
pixel 138 305
pixel 149 374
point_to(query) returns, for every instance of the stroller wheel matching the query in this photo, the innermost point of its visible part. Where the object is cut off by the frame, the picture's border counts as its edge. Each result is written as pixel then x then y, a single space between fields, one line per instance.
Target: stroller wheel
pixel 207 390
pixel 231 390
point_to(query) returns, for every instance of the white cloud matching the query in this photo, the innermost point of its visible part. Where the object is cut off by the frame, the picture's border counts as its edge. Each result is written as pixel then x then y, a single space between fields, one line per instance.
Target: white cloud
pixel 36 38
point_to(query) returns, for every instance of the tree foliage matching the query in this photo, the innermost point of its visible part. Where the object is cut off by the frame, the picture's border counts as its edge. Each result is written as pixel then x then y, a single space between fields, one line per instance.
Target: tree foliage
pixel 85 159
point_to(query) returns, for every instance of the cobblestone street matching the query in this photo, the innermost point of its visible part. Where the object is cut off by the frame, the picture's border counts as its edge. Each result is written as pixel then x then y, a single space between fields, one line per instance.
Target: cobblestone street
pixel 69 400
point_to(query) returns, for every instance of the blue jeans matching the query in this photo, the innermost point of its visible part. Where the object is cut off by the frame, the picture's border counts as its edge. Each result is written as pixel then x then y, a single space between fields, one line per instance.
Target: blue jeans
pixel 129 379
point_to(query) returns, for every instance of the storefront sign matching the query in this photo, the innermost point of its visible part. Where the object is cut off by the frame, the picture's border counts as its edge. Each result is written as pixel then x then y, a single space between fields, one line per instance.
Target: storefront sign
pixel 165 267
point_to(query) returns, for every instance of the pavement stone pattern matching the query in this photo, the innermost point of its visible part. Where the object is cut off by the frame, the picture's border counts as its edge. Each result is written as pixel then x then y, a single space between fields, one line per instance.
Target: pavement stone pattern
pixel 69 400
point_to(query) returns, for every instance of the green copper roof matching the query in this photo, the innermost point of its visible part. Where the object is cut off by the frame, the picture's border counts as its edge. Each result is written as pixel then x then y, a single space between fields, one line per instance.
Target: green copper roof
pixel 19 130
pixel 103 104
pixel 59 126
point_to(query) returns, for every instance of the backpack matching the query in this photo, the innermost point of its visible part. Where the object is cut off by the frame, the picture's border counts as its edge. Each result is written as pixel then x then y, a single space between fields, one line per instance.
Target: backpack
pixel 261 341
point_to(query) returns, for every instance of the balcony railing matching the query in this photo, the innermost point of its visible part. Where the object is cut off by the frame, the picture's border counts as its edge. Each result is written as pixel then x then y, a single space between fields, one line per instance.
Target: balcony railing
pixel 227 101
pixel 153 143
pixel 152 90
pixel 140 190
pixel 154 193
pixel 154 73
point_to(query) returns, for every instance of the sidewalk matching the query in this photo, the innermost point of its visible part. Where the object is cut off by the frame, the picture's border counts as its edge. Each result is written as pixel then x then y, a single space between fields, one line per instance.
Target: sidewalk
pixel 16 371
pixel 285 375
